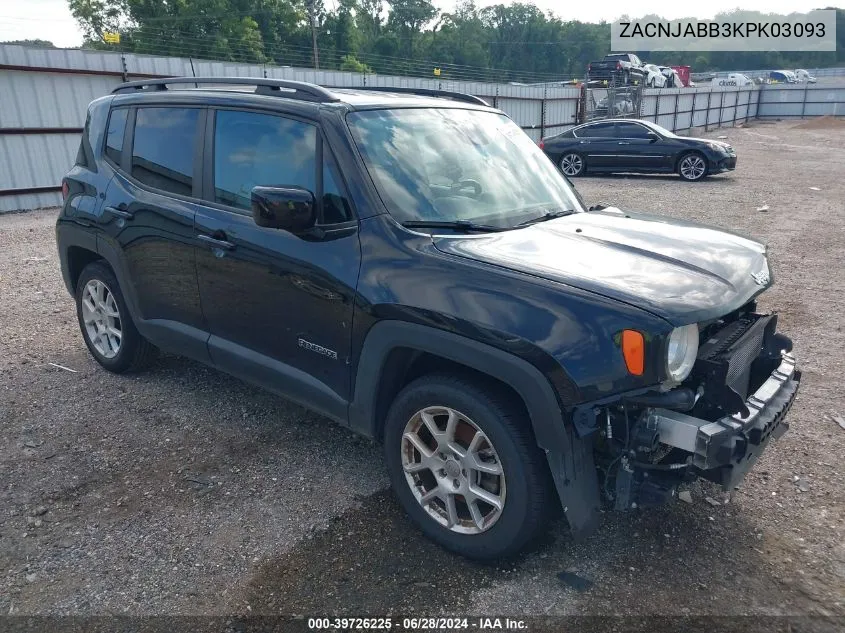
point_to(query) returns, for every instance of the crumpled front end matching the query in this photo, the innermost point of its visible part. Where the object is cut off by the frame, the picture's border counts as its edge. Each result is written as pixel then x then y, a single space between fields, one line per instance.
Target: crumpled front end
pixel 715 425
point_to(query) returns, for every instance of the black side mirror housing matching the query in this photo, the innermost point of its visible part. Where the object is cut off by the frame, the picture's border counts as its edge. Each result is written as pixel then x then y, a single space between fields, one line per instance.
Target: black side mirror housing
pixel 653 137
pixel 288 208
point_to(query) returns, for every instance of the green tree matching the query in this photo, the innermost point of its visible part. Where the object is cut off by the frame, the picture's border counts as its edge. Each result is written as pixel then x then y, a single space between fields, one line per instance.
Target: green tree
pixel 407 18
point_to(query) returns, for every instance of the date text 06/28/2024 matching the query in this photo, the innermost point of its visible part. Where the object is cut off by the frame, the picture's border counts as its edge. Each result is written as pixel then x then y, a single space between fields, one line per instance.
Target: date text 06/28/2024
pixel 417 624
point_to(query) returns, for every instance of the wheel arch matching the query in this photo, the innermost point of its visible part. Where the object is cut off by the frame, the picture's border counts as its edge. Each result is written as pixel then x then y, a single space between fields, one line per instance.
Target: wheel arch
pixel 391 348
pixel 395 352
pixel 686 152
pixel 78 257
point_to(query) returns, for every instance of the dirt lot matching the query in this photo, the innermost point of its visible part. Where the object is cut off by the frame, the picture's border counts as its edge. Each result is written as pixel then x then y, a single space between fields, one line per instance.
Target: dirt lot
pixel 184 491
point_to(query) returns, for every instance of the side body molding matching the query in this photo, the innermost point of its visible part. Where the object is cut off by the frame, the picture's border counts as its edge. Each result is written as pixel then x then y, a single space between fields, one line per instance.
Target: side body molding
pixel 570 457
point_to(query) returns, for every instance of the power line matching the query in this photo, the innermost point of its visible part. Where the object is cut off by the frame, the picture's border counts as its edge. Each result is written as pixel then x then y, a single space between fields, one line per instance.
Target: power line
pixel 288 49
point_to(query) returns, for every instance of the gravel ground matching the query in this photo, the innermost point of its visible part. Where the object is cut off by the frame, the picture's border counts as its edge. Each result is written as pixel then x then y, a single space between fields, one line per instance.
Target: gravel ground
pixel 185 491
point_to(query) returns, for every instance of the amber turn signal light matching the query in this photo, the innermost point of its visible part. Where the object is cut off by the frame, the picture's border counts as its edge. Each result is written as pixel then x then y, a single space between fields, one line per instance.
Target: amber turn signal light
pixel 633 349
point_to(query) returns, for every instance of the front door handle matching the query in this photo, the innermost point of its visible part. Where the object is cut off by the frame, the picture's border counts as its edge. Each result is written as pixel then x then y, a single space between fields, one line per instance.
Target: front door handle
pixel 126 215
pixel 213 242
pixel 623 143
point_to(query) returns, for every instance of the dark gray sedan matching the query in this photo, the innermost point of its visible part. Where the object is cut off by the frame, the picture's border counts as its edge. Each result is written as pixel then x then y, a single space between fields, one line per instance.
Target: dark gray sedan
pixel 633 145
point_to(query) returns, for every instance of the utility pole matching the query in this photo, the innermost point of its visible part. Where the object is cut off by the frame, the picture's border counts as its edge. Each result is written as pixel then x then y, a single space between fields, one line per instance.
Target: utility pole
pixel 313 20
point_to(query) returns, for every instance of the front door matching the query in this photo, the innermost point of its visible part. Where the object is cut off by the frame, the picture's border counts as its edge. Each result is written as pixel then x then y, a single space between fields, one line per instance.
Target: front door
pixel 278 305
pixel 635 150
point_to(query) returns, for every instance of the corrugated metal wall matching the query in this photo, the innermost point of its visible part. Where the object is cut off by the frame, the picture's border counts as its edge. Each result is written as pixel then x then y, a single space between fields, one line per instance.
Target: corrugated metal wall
pixel 680 109
pixel 44 94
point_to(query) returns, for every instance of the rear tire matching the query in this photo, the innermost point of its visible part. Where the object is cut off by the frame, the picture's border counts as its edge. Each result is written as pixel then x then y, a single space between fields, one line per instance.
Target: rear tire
pixel 573 164
pixel 105 322
pixel 494 434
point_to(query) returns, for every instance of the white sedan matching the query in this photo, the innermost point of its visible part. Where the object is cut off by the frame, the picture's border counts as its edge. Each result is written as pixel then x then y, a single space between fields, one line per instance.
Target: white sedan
pixel 654 78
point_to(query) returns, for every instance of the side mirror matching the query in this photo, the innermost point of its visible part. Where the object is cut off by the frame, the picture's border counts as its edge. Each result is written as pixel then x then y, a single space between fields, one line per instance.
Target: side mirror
pixel 287 208
pixel 653 137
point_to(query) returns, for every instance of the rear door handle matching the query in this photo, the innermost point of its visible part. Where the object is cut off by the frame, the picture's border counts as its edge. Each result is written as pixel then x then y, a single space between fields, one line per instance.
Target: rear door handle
pixel 623 143
pixel 213 242
pixel 126 215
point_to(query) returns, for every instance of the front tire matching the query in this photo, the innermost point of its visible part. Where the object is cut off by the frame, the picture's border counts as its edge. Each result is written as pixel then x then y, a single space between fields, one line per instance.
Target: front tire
pixel 105 322
pixel 692 167
pixel 465 466
pixel 572 164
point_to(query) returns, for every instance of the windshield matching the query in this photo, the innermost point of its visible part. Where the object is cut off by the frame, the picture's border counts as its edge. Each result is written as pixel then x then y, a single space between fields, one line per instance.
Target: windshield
pixel 445 164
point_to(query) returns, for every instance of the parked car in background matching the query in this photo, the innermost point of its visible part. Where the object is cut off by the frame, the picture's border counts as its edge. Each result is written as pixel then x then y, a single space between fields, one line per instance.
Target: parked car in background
pixel 626 67
pixel 673 78
pixel 783 77
pixel 683 73
pixel 732 80
pixel 803 76
pixel 413 267
pixel 654 77
pixel 633 145
pixel 624 103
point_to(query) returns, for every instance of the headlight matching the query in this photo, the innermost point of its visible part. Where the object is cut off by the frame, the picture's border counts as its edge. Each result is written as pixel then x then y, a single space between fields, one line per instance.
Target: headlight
pixel 716 147
pixel 683 349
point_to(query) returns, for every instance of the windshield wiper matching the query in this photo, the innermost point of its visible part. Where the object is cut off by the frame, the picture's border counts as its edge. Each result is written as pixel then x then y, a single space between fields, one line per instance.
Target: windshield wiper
pixel 549 215
pixel 457 225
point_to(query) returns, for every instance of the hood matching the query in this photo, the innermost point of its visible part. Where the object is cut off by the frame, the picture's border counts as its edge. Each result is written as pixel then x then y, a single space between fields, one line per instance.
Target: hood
pixel 680 271
pixel 706 140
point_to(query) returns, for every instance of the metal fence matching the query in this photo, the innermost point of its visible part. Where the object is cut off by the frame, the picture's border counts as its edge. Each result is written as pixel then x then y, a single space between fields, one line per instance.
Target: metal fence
pixel 44 94
pixel 682 109
pixel 798 101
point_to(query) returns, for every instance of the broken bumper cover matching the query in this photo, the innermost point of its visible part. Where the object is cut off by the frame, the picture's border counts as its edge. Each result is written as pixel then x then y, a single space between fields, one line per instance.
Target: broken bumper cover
pixel 723 451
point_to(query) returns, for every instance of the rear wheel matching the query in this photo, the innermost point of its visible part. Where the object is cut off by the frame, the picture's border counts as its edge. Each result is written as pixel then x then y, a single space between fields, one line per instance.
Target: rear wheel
pixel 572 164
pixel 465 466
pixel 107 327
pixel 692 167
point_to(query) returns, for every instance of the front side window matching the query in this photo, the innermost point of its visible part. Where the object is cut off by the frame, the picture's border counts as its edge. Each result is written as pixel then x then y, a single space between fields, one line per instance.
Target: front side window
pixel 448 164
pixel 253 149
pixel 631 130
pixel 114 135
pixel 163 149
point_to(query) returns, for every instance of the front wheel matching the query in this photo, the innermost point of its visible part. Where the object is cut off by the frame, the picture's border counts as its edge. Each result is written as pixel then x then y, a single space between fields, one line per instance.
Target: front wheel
pixel 692 167
pixel 464 464
pixel 572 164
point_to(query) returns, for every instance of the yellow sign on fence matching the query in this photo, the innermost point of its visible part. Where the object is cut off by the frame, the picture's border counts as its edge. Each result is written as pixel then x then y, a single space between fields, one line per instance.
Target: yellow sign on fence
pixel 112 38
pixel 436 72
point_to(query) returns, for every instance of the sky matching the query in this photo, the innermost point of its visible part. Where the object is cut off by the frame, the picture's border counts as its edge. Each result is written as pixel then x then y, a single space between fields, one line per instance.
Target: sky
pixel 51 20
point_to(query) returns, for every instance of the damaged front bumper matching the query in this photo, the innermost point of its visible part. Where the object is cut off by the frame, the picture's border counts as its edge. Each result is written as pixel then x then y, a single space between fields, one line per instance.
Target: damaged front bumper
pixel 723 451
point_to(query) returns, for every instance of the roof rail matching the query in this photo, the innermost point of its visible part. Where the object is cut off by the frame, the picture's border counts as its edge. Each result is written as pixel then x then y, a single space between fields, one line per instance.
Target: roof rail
pixel 278 87
pixel 427 92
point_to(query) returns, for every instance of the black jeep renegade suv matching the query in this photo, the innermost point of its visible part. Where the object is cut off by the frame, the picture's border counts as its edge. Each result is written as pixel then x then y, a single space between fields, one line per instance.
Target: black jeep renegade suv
pixel 414 267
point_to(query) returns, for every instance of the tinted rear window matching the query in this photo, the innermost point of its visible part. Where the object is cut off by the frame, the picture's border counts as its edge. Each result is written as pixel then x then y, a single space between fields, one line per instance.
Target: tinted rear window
pixel 597 130
pixel 163 149
pixel 114 134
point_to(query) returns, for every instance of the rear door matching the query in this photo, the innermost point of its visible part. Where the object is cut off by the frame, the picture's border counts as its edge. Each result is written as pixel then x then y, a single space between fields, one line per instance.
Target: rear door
pixel 278 305
pixel 597 142
pixel 148 222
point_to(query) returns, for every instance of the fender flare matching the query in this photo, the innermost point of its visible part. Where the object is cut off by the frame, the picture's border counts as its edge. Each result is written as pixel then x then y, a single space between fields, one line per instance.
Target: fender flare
pixel 385 336
pixel 569 456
